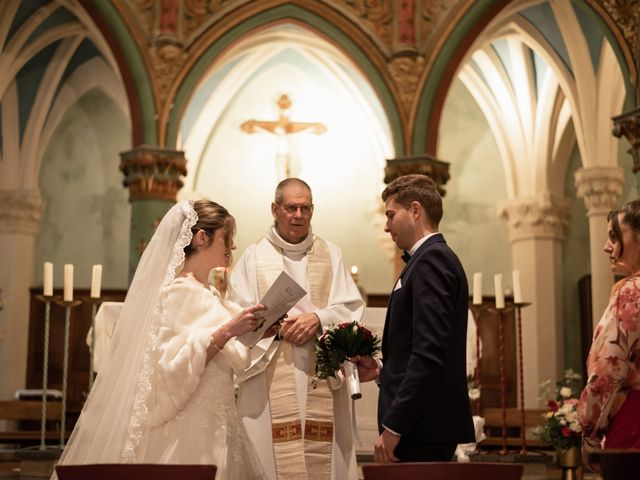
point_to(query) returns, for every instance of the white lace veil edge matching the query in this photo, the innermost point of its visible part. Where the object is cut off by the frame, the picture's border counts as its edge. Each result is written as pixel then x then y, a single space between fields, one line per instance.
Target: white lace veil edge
pixel 110 428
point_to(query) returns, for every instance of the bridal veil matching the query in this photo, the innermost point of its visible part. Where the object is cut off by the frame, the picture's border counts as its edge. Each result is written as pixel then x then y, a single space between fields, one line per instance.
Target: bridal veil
pixel 112 423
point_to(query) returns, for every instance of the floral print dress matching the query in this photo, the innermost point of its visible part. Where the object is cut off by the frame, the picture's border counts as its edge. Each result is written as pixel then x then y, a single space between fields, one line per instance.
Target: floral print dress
pixel 613 365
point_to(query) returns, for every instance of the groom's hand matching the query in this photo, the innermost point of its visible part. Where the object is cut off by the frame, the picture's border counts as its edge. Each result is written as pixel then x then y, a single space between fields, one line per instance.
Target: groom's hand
pixel 301 328
pixel 384 447
pixel 368 368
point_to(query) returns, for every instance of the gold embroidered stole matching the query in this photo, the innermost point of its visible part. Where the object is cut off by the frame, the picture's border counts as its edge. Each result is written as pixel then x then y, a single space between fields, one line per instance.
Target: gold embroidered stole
pixel 298 455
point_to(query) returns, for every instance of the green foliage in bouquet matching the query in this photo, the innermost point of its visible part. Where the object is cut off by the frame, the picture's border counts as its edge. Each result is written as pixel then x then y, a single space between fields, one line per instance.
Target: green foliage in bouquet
pixel 341 342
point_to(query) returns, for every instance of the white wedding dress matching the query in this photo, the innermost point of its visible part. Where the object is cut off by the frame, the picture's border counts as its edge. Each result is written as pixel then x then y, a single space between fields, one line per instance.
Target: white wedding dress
pixel 192 411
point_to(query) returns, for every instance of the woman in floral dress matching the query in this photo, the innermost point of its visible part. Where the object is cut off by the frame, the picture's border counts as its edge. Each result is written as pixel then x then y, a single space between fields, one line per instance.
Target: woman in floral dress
pixel 609 407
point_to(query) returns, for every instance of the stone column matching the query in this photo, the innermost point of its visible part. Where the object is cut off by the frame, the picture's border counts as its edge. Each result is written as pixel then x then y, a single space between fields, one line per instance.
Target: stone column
pixel 536 232
pixel 600 188
pixel 20 213
pixel 153 177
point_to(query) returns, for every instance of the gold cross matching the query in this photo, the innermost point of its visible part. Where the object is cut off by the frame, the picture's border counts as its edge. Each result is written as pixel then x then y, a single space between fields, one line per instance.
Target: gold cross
pixel 282 127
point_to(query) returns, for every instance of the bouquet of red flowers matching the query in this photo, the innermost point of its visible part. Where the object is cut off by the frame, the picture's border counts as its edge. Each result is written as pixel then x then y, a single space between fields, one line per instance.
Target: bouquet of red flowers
pixel 337 345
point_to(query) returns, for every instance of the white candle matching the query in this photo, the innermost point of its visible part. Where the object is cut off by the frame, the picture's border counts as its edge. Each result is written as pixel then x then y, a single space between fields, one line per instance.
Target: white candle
pixel 497 283
pixel 517 289
pixel 47 290
pixel 68 282
pixel 477 288
pixel 96 281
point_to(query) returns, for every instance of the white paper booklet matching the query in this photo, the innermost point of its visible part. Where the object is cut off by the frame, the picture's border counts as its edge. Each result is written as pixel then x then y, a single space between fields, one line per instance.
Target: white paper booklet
pixel 279 299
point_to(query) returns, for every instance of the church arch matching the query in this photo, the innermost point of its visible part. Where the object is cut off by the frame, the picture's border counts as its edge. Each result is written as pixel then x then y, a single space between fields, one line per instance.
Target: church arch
pixel 435 83
pixel 133 70
pixel 367 57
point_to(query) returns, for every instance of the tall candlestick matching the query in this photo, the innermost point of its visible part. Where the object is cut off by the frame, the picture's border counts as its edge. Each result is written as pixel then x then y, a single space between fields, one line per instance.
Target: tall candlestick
pixel 477 288
pixel 517 289
pixel 96 281
pixel 497 283
pixel 68 283
pixel 47 291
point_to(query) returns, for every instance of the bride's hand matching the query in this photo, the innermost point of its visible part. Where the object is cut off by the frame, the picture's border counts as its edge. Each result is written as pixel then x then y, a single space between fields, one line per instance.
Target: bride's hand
pixel 247 320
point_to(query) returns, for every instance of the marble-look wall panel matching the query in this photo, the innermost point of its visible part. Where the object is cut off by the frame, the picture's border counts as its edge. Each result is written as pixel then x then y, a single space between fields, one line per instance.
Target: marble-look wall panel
pixel 470 224
pixel 87 214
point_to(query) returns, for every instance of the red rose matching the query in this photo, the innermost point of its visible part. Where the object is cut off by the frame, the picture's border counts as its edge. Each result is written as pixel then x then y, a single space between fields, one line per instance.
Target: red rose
pixel 553 406
pixel 566 432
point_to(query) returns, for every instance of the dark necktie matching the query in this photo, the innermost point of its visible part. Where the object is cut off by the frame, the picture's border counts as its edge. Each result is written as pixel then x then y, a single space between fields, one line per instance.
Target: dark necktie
pixel 405 256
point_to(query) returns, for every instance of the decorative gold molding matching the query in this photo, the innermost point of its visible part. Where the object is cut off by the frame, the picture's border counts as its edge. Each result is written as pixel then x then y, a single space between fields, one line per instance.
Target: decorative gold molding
pixel 198 13
pixel 626 15
pixel 427 165
pixel 145 13
pixel 430 19
pixel 405 72
pixel 377 16
pixel 153 173
pixel 168 59
pixel 628 124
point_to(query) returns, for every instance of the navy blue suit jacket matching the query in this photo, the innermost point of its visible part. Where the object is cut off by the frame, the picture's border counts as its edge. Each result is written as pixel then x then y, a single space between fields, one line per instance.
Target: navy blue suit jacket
pixel 423 382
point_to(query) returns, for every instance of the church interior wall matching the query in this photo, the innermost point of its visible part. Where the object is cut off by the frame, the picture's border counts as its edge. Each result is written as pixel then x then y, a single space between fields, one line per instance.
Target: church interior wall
pixel 576 263
pixel 470 223
pixel 87 213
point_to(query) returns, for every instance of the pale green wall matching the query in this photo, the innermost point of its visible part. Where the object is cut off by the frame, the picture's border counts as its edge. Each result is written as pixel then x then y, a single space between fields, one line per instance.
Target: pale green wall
pixel 576 261
pixel 87 215
pixel 470 223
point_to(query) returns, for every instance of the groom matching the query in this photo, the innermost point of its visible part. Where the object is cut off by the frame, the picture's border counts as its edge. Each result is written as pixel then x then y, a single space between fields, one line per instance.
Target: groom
pixel 423 404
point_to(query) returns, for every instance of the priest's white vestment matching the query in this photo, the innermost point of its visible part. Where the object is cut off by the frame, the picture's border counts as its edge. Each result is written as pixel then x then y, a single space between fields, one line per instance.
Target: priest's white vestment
pixel 344 303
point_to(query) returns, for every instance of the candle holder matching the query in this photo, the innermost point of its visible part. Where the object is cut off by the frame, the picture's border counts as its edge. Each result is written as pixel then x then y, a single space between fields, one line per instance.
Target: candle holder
pixel 46 299
pixel 94 302
pixel 67 305
pixel 523 442
pixel 476 309
pixel 503 404
pixel 509 307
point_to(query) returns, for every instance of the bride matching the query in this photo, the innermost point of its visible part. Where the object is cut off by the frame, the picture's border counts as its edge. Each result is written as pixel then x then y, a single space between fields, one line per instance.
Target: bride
pixel 166 392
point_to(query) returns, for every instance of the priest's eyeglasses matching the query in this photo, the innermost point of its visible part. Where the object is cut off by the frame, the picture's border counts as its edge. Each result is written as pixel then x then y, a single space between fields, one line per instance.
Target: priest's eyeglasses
pixel 292 209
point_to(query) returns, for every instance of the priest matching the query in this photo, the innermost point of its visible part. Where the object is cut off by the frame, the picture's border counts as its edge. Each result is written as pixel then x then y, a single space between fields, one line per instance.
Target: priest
pixel 299 430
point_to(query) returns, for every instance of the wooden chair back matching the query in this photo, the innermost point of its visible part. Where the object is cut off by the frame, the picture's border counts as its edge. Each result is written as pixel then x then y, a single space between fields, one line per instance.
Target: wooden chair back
pixel 619 464
pixel 135 471
pixel 443 471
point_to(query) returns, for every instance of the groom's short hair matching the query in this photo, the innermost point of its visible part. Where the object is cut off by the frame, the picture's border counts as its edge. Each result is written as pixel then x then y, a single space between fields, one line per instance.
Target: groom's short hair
pixel 416 188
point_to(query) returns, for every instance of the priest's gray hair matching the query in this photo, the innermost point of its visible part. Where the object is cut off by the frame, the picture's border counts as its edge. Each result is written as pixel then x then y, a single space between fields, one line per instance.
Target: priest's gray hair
pixel 290 181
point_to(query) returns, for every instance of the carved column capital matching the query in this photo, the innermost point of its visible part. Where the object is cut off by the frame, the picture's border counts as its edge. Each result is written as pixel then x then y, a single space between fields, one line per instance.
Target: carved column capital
pixel 628 124
pixel 539 216
pixel 153 173
pixel 599 187
pixel 436 169
pixel 20 211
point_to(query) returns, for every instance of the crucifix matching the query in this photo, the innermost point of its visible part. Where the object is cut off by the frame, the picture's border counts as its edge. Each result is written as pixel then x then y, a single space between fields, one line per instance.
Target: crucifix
pixel 281 128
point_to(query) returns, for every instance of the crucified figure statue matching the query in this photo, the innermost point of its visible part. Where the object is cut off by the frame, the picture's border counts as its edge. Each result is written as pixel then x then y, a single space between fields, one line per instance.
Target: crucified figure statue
pixel 282 127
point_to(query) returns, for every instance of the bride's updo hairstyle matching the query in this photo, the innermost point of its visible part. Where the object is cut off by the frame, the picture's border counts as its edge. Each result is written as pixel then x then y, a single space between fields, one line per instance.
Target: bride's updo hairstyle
pixel 211 217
